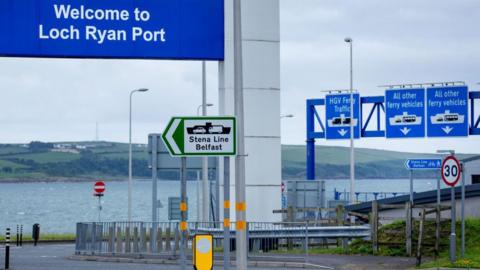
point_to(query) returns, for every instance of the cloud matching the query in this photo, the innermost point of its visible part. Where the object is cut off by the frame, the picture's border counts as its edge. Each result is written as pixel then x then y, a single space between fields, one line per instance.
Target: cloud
pixel 394 42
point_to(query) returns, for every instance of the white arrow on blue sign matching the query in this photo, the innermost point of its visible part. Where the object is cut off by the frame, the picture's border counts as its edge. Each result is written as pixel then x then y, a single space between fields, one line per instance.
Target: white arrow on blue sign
pixel 447 109
pixel 405 113
pixel 423 164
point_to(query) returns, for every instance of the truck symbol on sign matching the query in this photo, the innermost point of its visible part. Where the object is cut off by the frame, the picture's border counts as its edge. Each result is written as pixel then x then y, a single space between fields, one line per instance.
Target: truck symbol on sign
pixel 208 128
pixel 405 119
pixel 341 121
pixel 447 118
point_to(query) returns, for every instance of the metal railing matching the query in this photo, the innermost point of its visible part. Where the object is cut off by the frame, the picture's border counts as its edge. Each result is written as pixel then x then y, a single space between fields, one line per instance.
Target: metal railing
pixel 162 239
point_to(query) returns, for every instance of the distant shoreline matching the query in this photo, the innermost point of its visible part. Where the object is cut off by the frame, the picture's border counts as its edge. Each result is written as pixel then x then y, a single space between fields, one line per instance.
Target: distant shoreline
pixel 89 180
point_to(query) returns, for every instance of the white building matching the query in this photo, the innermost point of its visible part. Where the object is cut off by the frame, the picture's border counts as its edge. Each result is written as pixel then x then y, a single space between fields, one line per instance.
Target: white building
pixel 472 170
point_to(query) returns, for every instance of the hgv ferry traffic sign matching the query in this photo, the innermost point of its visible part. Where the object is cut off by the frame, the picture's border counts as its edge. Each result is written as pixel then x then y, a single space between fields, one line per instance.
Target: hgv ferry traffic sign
pixel 337 113
pixel 201 136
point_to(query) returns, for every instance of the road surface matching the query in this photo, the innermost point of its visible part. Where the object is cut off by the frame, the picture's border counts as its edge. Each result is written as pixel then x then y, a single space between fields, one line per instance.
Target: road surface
pixel 54 257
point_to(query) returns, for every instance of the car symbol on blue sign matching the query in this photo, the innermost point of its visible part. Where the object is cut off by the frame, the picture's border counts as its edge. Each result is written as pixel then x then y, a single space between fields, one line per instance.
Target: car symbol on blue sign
pixel 447 111
pixel 405 113
pixel 338 116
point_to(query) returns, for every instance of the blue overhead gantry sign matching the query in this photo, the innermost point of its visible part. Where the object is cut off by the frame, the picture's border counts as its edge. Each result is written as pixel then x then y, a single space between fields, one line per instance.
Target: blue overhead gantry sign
pixel 447 109
pixel 405 113
pixel 147 29
pixel 338 116
pixel 444 111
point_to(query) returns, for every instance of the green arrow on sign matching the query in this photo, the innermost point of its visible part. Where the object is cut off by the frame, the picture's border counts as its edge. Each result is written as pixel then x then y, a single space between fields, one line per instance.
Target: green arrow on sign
pixel 201 136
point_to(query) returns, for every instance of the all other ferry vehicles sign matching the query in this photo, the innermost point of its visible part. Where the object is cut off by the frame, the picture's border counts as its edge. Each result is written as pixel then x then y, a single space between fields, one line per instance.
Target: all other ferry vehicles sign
pixel 405 113
pixel 447 111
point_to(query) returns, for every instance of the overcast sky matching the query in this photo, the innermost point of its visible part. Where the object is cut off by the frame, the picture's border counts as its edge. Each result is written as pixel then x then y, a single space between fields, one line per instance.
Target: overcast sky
pixel 394 42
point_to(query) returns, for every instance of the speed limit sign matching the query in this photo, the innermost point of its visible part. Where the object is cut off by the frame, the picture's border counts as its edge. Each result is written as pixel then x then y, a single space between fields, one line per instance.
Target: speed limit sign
pixel 451 170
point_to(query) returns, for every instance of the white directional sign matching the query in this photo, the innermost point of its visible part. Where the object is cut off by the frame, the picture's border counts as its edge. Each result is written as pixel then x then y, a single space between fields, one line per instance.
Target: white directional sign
pixel 451 170
pixel 201 136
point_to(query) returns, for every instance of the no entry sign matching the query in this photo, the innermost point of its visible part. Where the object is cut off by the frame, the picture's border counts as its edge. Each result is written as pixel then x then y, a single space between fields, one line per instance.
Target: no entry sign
pixel 99 187
pixel 451 170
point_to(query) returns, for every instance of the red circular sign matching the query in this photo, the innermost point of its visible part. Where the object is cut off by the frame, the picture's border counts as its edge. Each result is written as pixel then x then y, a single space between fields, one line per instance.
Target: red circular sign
pixel 99 187
pixel 451 170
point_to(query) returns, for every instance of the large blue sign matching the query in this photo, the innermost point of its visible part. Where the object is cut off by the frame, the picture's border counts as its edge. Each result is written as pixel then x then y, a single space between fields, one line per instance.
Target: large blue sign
pixel 152 29
pixel 338 116
pixel 405 113
pixel 423 164
pixel 447 111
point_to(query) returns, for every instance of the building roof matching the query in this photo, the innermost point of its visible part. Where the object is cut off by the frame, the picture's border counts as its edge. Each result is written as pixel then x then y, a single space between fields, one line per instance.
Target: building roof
pixel 419 198
pixel 466 160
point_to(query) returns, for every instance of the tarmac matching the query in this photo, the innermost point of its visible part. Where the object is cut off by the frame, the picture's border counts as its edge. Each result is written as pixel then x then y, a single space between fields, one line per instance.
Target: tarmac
pixel 61 256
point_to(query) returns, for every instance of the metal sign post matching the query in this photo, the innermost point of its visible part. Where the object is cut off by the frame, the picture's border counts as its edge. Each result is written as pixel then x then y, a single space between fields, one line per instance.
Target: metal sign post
pixel 421 164
pixel 209 136
pixel 411 187
pixel 240 200
pixel 99 188
pixel 154 142
pixel 463 211
pixel 226 213
pixel 451 172
pixel 183 209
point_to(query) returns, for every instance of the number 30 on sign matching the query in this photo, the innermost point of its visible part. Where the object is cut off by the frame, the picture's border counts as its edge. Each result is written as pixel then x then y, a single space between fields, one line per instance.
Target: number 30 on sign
pixel 451 170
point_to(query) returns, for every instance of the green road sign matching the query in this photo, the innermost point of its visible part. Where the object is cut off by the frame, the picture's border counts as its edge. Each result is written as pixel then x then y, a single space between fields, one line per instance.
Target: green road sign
pixel 201 136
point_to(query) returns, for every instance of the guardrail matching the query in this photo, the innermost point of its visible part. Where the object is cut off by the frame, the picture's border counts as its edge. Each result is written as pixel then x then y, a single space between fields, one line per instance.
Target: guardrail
pixel 142 239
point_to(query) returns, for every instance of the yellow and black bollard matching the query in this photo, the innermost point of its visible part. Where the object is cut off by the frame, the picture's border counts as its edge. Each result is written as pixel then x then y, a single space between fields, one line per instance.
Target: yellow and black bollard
pixel 203 252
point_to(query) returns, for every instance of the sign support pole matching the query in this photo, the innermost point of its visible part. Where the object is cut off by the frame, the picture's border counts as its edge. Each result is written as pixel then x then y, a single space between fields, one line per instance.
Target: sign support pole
pixel 411 187
pixel 183 209
pixel 463 211
pixel 99 208
pixel 153 241
pixel 453 246
pixel 241 225
pixel 205 182
pixel 438 217
pixel 226 213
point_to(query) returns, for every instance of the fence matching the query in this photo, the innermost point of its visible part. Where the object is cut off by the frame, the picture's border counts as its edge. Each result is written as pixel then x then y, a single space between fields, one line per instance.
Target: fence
pixel 415 235
pixel 162 239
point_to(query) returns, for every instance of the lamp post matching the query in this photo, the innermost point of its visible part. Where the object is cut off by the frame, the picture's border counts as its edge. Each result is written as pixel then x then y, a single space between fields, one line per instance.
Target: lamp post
pixel 130 154
pixel 200 106
pixel 204 206
pixel 352 135
pixel 286 116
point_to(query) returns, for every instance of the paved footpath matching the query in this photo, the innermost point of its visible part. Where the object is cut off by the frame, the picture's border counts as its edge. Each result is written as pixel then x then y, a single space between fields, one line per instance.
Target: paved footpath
pixel 54 257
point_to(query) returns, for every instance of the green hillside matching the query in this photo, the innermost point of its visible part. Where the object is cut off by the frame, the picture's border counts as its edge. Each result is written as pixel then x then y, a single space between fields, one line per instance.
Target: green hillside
pixel 78 160
pixel 333 162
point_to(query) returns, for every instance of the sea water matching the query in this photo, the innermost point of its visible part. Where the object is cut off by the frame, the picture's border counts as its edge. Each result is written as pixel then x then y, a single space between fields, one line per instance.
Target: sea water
pixel 58 206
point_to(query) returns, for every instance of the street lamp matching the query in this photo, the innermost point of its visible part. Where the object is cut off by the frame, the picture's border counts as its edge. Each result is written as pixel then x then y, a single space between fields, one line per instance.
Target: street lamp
pixel 352 135
pixel 200 106
pixel 200 216
pixel 287 116
pixel 130 154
